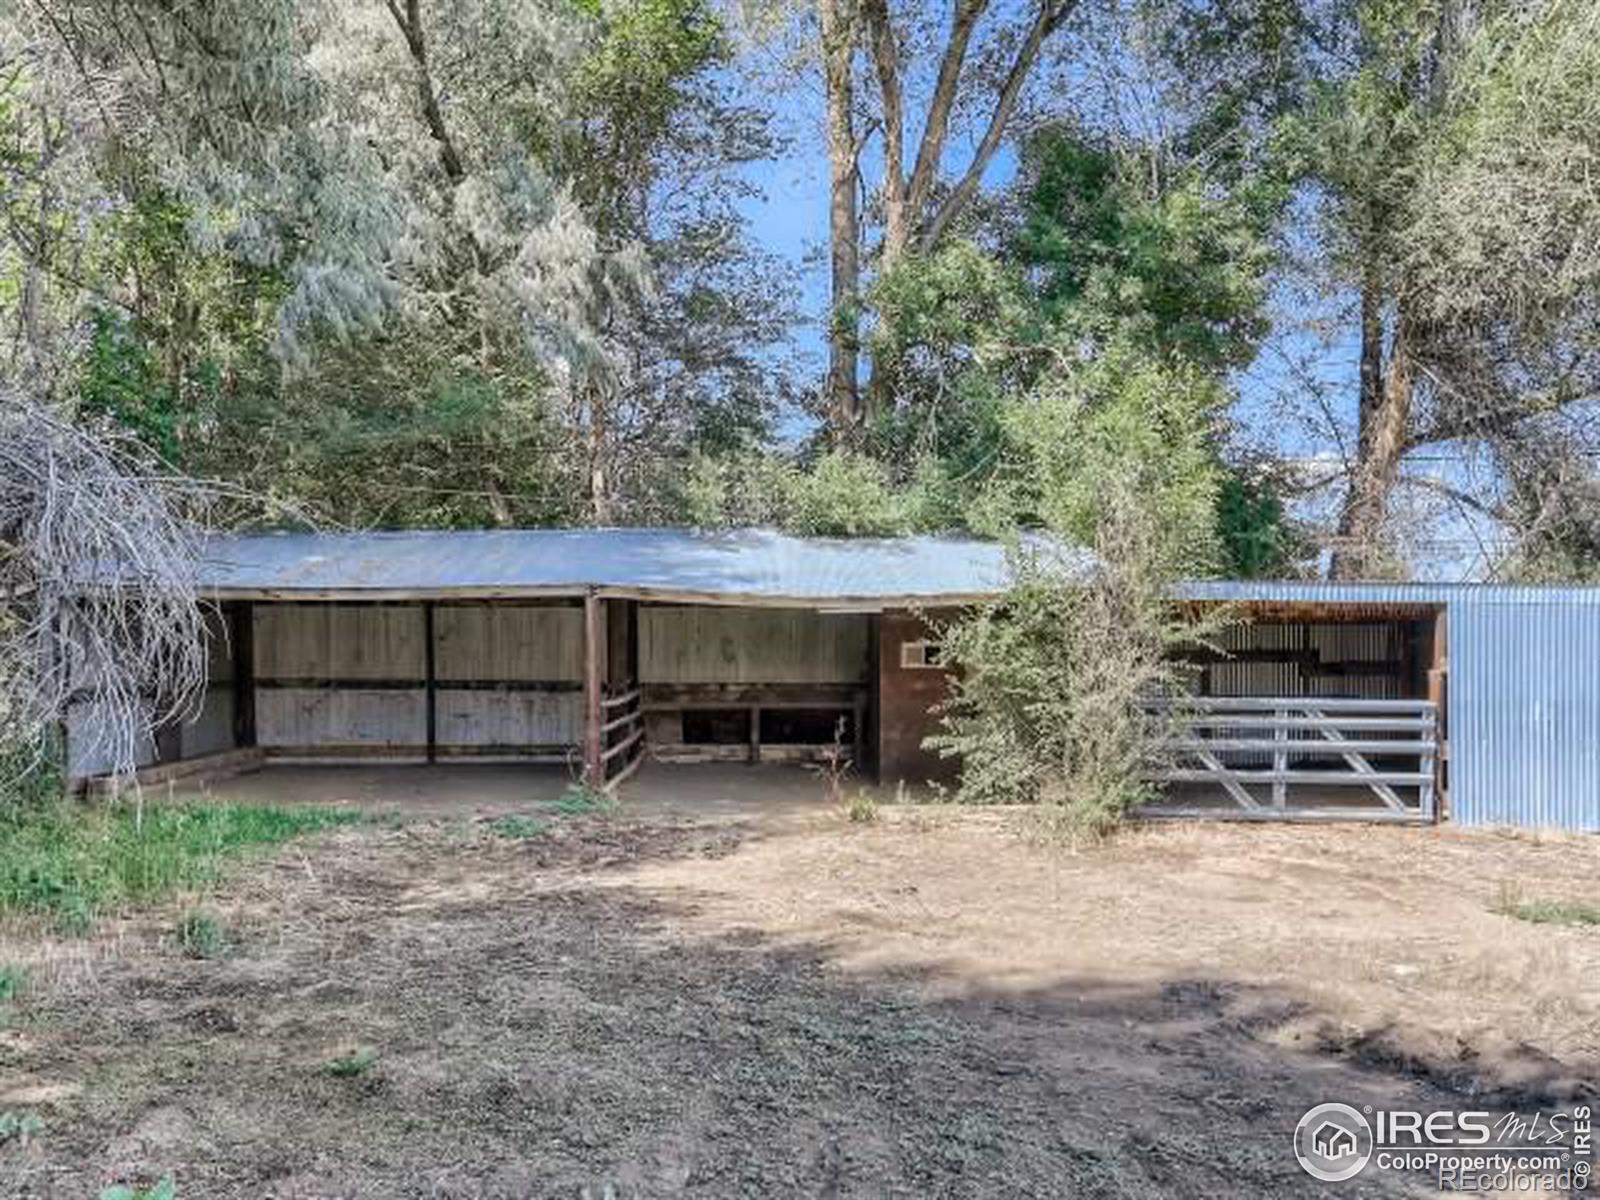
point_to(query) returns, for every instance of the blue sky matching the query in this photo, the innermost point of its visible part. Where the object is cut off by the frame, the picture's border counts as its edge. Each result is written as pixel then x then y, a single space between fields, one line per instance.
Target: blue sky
pixel 1274 411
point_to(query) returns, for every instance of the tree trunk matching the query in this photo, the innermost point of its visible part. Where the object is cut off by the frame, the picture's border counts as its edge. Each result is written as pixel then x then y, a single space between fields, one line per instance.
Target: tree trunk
pixel 600 507
pixel 1385 416
pixel 844 328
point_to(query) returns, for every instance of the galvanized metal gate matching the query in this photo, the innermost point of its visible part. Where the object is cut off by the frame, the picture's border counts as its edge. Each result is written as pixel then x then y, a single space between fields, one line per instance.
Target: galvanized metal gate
pixel 1282 758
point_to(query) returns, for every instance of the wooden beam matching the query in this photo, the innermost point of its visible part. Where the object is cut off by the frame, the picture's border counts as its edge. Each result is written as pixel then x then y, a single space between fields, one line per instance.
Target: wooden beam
pixel 593 736
pixel 430 681
pixel 1439 697
pixel 242 629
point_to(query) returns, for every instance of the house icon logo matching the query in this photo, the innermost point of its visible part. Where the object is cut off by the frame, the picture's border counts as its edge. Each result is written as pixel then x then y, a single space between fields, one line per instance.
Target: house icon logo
pixel 1333 1142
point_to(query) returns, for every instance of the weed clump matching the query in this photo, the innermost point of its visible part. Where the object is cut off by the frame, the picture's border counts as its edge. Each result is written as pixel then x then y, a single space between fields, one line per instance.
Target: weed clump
pixel 582 800
pixel 349 1066
pixel 73 861
pixel 13 980
pixel 1511 903
pixel 202 936
pixel 516 827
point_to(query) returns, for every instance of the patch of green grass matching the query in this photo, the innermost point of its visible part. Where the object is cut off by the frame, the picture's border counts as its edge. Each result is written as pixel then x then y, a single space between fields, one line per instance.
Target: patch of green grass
pixel 165 1190
pixel 581 800
pixel 19 1126
pixel 202 936
pixel 1510 903
pixel 75 860
pixel 12 980
pixel 517 828
pixel 348 1066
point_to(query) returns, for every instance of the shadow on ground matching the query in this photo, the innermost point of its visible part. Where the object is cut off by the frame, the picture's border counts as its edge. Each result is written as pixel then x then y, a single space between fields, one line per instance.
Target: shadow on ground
pixel 541 1027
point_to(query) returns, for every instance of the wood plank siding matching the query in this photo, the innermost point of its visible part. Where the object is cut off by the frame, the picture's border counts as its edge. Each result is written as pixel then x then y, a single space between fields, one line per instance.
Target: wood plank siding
pixel 684 644
pixel 355 680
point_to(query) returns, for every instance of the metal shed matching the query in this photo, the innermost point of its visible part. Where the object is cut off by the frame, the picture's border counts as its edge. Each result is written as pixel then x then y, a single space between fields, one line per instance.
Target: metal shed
pixel 1521 702
pixel 587 646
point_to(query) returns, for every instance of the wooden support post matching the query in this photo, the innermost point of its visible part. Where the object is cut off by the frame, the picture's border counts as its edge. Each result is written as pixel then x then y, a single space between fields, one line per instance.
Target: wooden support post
pixel 593 740
pixel 1439 697
pixel 242 629
pixel 430 682
pixel 755 734
pixel 858 729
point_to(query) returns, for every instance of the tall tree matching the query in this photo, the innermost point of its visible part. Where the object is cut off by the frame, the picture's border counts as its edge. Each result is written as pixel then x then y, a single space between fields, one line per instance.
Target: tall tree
pixel 1450 161
pixel 915 200
pixel 414 262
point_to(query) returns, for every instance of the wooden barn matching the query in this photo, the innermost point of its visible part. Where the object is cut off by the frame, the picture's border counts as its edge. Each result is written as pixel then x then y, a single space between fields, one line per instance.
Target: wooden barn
pixel 577 647
pixel 600 649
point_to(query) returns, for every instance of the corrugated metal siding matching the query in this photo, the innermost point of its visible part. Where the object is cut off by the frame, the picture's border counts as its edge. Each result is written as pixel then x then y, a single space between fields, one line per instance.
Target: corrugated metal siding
pixel 1524 711
pixel 1320 659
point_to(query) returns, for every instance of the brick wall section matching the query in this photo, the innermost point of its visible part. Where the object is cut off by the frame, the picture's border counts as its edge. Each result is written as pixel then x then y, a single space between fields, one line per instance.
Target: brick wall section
pixel 905 698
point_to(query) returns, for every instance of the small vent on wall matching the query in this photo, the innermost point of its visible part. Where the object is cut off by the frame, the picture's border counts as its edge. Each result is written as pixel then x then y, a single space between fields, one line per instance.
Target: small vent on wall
pixel 921 655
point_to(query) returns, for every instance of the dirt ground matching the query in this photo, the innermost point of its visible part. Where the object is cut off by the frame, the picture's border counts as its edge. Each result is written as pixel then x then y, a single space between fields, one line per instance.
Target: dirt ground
pixel 660 1002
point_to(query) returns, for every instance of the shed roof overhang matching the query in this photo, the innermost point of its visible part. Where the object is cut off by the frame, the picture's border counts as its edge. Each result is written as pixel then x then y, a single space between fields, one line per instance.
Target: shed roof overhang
pixel 750 567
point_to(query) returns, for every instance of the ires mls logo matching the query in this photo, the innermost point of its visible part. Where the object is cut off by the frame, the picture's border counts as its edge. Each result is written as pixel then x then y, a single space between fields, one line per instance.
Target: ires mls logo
pixel 1333 1142
pixel 1465 1150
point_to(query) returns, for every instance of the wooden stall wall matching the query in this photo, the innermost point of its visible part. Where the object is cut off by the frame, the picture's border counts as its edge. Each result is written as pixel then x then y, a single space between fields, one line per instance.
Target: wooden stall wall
pixel 509 680
pixel 210 729
pixel 341 680
pixel 752 683
pixel 418 681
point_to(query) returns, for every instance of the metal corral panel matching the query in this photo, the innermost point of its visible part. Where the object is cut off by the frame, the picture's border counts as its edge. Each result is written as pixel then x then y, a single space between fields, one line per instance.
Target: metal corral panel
pixel 750 645
pixel 1524 711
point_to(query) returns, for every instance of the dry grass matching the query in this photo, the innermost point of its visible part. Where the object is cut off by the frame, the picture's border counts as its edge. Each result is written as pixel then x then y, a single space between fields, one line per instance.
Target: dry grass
pixel 929 1004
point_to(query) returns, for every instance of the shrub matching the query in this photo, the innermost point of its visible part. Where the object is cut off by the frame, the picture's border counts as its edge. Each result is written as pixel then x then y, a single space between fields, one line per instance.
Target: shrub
pixel 1048 705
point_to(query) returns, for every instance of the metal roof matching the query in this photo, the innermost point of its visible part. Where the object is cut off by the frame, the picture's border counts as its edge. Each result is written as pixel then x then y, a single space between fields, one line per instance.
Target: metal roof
pixel 1269 591
pixel 756 565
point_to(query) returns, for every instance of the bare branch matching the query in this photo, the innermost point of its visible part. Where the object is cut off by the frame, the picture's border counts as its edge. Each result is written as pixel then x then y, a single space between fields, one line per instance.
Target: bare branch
pixel 410 23
pixel 937 127
pixel 99 613
pixel 1049 18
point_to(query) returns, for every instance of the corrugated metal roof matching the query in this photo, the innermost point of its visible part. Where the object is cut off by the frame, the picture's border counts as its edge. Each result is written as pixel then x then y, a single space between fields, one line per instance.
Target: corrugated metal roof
pixel 752 563
pixel 1315 592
